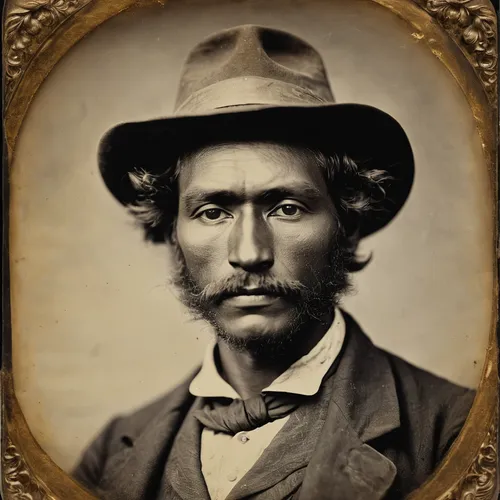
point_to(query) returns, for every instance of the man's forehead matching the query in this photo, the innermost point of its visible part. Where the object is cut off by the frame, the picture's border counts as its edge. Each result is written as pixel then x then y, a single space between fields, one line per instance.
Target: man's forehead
pixel 247 166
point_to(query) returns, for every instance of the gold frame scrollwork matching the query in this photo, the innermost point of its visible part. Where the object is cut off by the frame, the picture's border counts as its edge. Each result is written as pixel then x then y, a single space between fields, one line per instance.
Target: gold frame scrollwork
pixel 19 480
pixel 473 25
pixel 479 482
pixel 462 34
pixel 26 28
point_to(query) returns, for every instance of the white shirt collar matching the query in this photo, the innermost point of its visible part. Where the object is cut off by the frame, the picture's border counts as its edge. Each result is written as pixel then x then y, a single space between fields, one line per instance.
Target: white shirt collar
pixel 304 377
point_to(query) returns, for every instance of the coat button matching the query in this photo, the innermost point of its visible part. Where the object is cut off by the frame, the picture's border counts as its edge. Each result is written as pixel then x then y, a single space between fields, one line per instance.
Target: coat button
pixel 232 477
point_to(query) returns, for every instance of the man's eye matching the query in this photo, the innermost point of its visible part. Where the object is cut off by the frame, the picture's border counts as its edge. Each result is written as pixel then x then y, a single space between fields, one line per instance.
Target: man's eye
pixel 213 214
pixel 287 210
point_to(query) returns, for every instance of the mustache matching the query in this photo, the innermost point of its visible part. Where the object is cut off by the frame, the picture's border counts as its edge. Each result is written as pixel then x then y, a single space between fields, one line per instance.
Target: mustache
pixel 246 284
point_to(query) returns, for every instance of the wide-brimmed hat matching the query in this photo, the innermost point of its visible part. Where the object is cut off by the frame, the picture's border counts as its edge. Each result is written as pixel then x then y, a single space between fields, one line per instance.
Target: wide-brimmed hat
pixel 257 83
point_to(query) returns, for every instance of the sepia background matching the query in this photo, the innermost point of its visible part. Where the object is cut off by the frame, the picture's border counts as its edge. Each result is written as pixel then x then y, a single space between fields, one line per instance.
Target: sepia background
pixel 96 329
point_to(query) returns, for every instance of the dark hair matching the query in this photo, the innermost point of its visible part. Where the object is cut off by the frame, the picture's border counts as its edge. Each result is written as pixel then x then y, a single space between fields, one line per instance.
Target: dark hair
pixel 354 191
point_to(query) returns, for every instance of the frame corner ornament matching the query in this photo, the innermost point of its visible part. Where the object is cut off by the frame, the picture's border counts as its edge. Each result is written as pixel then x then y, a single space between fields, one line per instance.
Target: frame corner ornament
pixel 26 29
pixel 479 482
pixel 19 481
pixel 473 25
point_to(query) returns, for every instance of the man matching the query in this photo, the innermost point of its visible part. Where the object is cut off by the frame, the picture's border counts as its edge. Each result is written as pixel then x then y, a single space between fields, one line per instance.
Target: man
pixel 262 187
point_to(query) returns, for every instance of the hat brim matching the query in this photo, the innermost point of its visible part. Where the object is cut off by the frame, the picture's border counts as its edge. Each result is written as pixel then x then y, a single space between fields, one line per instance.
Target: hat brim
pixel 371 137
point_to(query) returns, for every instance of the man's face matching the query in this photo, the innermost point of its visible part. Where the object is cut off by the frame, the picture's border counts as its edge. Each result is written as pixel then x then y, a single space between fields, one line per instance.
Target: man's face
pixel 256 229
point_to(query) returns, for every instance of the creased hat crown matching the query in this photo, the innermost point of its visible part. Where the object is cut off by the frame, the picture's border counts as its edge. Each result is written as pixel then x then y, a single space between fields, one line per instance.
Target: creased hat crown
pixel 252 65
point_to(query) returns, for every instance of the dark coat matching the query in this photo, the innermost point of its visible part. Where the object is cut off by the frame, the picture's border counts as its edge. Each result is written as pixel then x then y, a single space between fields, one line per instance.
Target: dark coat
pixel 387 426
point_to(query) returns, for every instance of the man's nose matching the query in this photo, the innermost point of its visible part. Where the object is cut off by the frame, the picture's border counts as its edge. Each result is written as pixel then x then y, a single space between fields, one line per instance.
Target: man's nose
pixel 250 243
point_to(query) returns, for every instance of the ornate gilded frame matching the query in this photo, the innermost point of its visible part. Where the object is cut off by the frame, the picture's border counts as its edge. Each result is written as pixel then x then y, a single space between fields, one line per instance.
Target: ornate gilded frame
pixel 462 34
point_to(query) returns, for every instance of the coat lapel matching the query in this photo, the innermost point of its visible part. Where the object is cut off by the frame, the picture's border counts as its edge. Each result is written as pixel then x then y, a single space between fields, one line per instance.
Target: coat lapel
pixel 364 406
pixel 136 470
pixel 344 467
pixel 183 472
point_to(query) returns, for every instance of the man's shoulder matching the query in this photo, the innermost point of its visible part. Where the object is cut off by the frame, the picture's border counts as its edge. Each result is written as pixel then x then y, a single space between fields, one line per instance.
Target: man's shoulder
pixel 431 407
pixel 423 385
pixel 417 388
pixel 408 374
pixel 121 431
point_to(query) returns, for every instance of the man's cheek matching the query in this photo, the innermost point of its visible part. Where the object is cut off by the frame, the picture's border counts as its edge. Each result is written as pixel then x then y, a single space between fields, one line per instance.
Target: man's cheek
pixel 304 254
pixel 203 263
pixel 318 248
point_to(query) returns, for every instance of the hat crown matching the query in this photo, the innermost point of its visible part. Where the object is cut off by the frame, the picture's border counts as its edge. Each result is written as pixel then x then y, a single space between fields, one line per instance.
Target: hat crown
pixel 254 51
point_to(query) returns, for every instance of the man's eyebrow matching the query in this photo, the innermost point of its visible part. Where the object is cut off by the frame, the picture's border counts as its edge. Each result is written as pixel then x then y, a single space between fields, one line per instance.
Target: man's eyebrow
pixel 302 190
pixel 197 196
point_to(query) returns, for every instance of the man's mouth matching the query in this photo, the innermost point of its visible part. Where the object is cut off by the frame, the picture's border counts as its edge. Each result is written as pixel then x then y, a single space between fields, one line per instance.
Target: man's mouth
pixel 251 297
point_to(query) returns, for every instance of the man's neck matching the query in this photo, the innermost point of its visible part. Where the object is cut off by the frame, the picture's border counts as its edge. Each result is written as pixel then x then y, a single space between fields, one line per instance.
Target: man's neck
pixel 249 373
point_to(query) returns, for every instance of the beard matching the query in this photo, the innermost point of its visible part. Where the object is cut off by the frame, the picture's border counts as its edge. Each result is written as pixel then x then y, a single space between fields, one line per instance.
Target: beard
pixel 310 302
